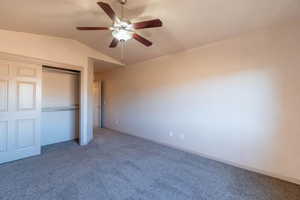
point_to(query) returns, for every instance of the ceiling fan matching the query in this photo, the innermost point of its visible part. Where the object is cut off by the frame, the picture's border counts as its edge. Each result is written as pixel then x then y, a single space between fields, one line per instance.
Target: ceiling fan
pixel 122 29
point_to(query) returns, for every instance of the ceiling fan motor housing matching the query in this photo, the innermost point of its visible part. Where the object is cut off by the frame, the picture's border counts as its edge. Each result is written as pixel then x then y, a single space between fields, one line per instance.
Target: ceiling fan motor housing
pixel 123 2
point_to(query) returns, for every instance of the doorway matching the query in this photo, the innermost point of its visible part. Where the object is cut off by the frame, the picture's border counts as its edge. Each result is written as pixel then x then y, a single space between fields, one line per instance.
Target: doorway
pixel 97 92
pixel 60 105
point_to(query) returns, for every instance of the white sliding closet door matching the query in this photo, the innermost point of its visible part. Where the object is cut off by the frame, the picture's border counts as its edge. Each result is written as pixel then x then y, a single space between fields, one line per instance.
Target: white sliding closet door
pixel 60 106
pixel 20 108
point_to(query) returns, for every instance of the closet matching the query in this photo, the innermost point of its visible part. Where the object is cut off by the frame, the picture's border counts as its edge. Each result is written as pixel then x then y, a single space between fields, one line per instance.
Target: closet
pixel 60 105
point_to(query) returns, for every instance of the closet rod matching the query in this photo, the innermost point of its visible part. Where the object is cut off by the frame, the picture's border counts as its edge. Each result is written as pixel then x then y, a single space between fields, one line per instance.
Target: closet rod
pixel 59 70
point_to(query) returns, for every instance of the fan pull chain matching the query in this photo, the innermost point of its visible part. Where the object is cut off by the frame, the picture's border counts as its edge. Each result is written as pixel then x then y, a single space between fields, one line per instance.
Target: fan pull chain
pixel 122 42
pixel 122 50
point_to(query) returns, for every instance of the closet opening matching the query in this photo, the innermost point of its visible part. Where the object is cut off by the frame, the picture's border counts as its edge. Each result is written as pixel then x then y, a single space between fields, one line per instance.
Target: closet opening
pixel 60 119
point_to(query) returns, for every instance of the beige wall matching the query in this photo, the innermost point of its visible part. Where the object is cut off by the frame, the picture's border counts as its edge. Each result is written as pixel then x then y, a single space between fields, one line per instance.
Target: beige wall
pixel 236 100
pixel 58 50
pixel 49 48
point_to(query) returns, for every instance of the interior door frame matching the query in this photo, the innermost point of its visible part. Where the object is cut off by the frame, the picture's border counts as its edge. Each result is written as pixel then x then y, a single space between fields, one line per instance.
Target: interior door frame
pixel 82 109
pixel 99 87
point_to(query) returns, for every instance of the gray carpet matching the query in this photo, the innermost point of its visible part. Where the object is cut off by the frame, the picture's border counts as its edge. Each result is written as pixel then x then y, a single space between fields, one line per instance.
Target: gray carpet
pixel 121 167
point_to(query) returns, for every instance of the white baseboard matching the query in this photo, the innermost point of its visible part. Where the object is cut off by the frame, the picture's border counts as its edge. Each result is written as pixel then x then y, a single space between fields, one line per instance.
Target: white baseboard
pixel 274 175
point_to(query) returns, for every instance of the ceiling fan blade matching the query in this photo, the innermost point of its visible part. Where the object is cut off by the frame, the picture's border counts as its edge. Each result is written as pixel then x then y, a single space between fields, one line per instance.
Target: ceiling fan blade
pixel 142 40
pixel 114 43
pixel 148 24
pixel 92 28
pixel 108 10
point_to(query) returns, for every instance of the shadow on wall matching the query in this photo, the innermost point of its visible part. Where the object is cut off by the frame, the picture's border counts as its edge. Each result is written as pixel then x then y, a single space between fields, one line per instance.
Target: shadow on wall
pixel 237 101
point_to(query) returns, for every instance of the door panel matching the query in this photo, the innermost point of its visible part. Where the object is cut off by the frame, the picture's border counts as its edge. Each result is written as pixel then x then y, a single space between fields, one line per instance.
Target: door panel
pixel 3 95
pixel 25 133
pixel 97 104
pixel 20 110
pixel 3 135
pixel 26 71
pixel 26 95
pixel 4 68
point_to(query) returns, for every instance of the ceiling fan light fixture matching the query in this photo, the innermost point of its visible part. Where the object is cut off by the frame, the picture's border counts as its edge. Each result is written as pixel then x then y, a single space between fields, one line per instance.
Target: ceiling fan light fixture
pixel 122 35
pixel 122 29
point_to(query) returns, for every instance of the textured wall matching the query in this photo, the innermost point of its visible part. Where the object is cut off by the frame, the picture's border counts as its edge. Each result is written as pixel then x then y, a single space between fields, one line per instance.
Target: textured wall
pixel 235 100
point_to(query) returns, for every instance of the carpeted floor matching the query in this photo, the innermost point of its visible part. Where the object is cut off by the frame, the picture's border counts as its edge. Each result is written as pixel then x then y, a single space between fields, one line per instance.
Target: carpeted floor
pixel 121 167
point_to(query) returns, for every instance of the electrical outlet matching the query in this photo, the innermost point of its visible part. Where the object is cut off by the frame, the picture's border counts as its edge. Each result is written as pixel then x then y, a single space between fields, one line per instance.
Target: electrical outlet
pixel 117 122
pixel 171 133
pixel 182 136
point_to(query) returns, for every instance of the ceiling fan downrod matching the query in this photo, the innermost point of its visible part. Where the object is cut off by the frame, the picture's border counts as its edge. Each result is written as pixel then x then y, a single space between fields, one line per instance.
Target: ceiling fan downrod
pixel 122 2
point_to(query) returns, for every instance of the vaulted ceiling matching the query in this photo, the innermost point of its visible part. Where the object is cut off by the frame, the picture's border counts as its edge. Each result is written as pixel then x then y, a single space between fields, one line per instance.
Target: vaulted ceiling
pixel 187 23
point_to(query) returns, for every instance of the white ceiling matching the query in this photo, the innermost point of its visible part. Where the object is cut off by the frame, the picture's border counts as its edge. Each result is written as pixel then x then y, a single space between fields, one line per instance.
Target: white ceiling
pixel 187 23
